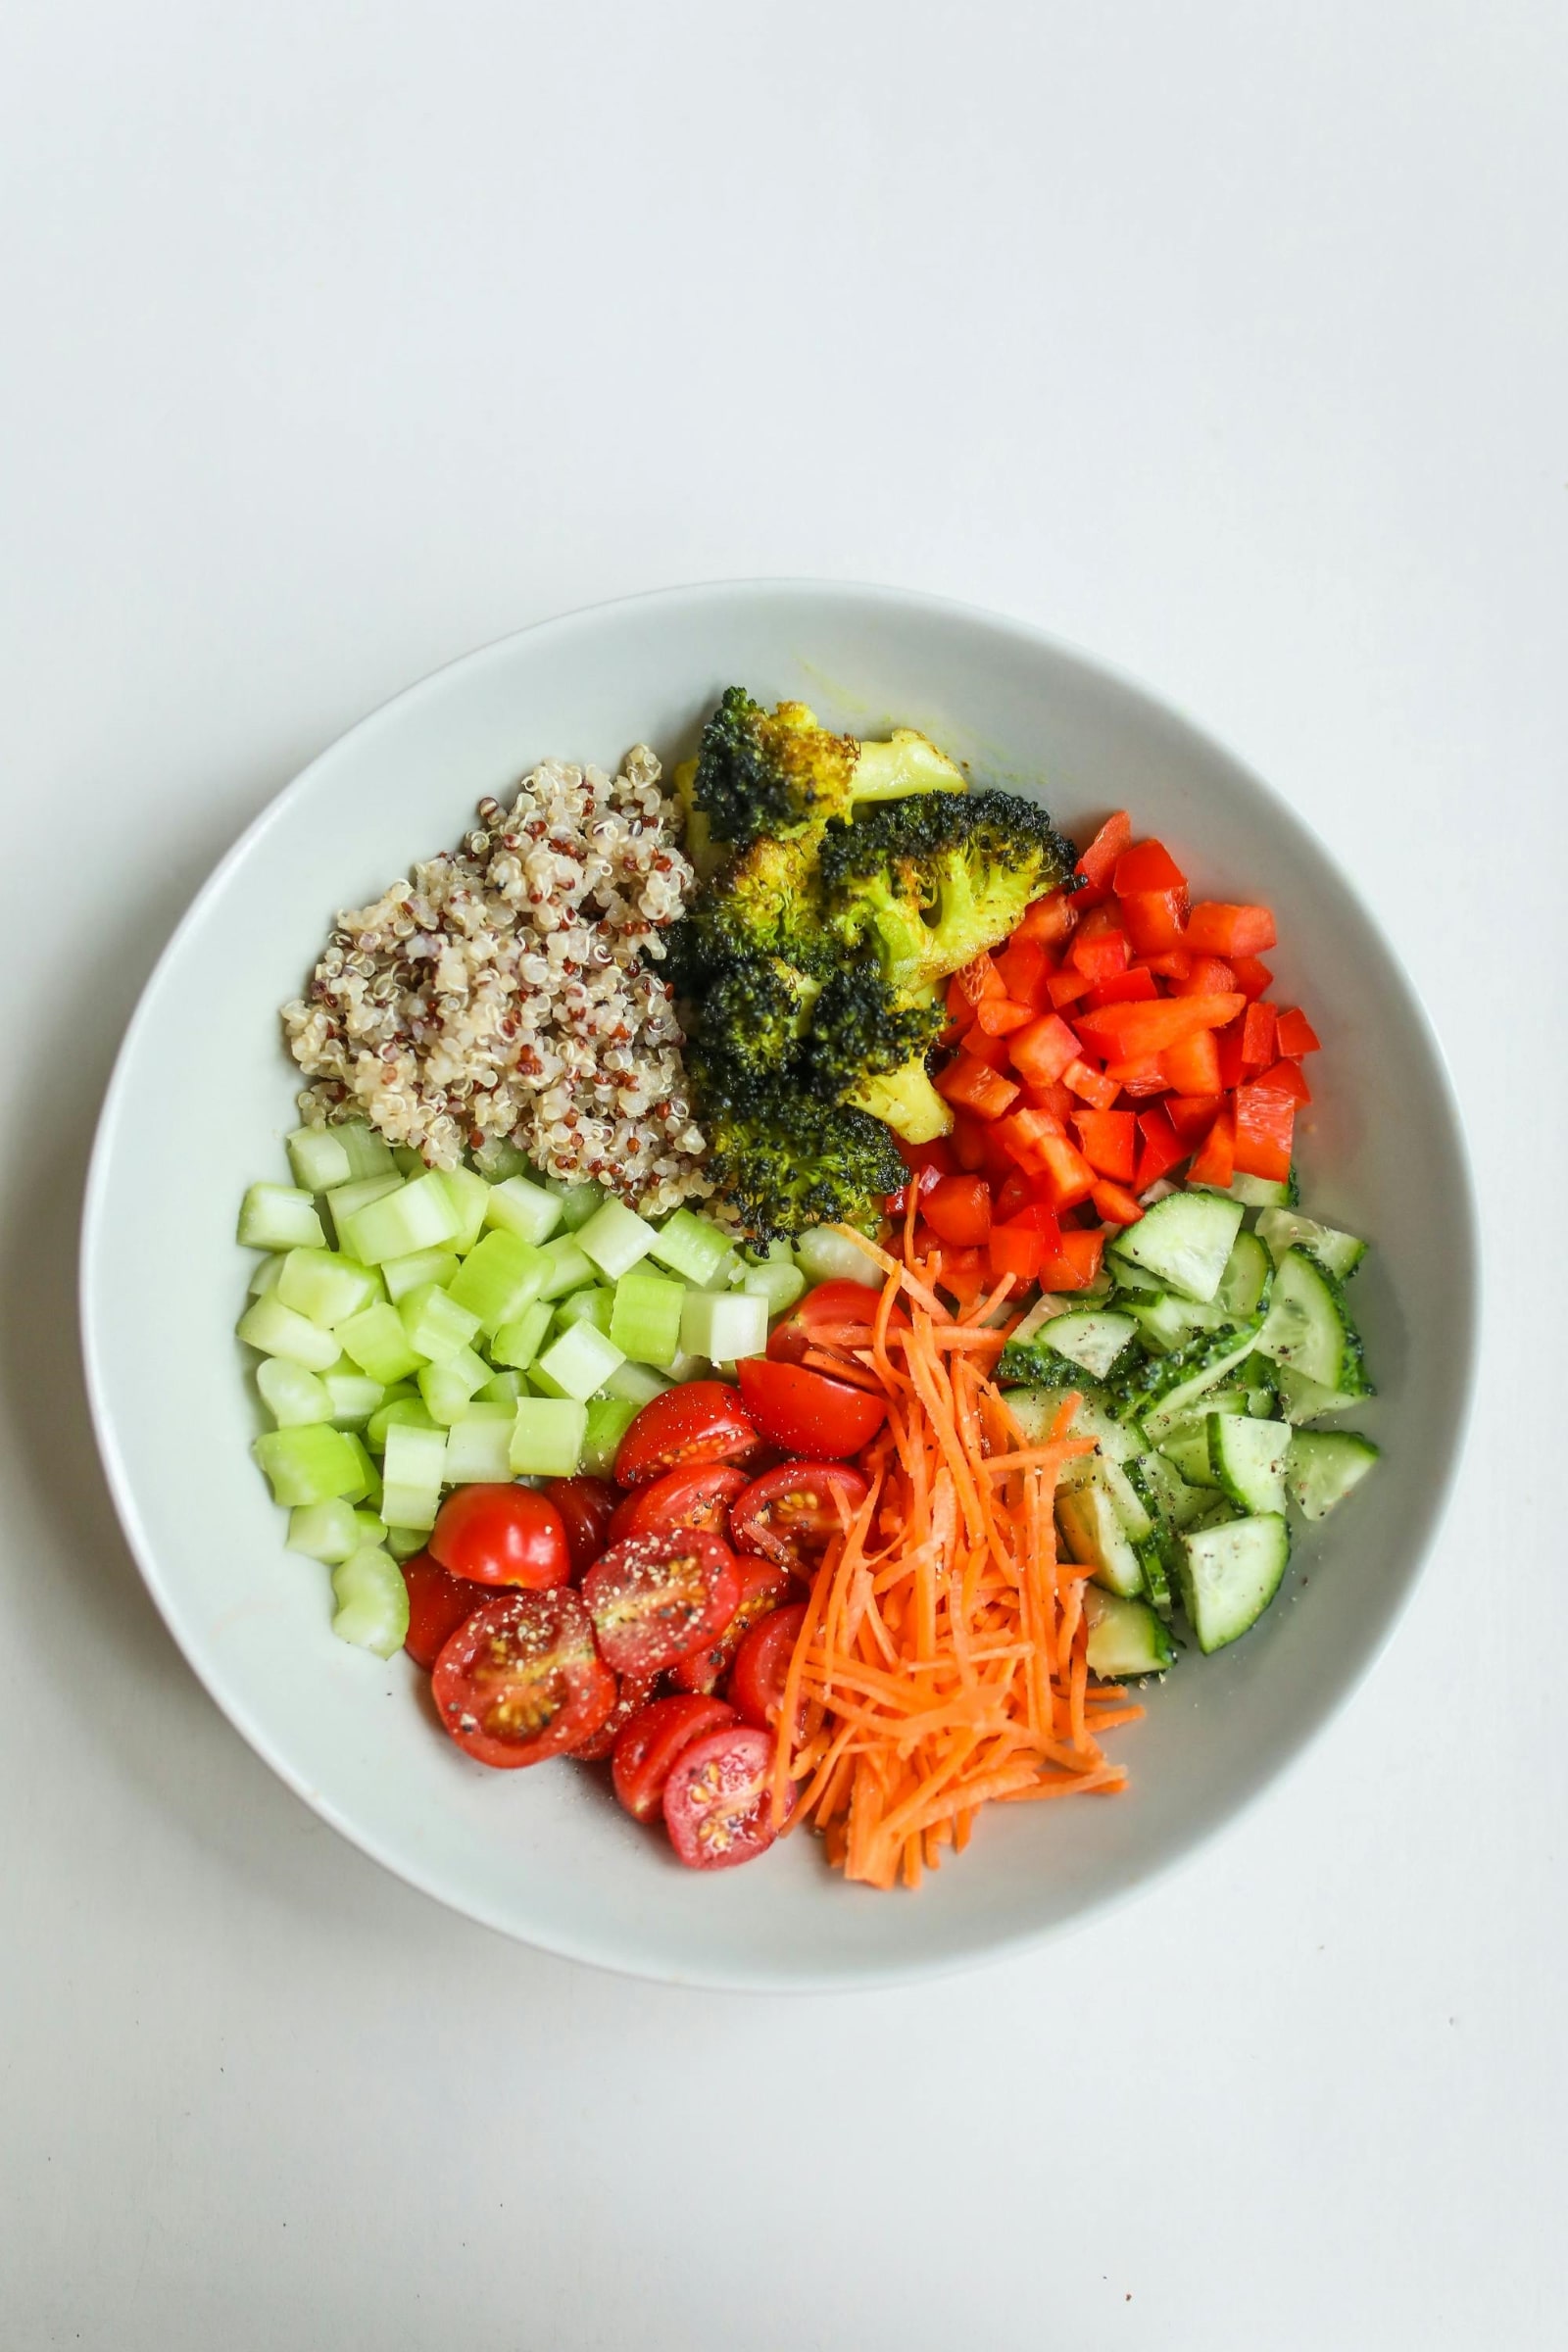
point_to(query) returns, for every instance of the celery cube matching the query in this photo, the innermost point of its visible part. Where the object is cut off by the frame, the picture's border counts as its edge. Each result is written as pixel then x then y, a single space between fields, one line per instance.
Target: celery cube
pixel 378 1344
pixel 569 1268
pixel 414 1468
pixel 436 1325
pixel 403 1274
pixel 470 1197
pixel 369 1486
pixel 778 1284
pixel 690 1245
pixel 523 1208
pixel 609 1419
pixel 723 1324
pixel 370 1154
pixel 268 1275
pixel 578 1200
pixel 347 1199
pixel 447 1387
pixel 409 1407
pixel 280 1217
pixel 594 1306
pixel 318 1159
pixel 402 1541
pixel 372 1602
pixel 292 1395
pixel 353 1398
pixel 313 1463
pixel 577 1363
pixel 635 1384
pixel 547 1436
pixel 502 1388
pixel 518 1341
pixel 324 1531
pixel 501 1274
pixel 418 1215
pixel 480 1444
pixel 373 1528
pixel 615 1237
pixel 326 1288
pixel 498 1158
pixel 645 1318
pixel 276 1330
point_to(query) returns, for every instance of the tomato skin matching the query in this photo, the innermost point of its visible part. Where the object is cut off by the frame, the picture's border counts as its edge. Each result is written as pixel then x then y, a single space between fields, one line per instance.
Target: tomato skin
pixel 702 1421
pixel 718 1798
pixel 789 1514
pixel 699 1497
pixel 502 1535
pixel 655 1599
pixel 634 1693
pixel 438 1603
pixel 833 1306
pixel 762 1663
pixel 649 1743
pixel 586 1507
pixel 521 1681
pixel 806 1413
pixel 763 1588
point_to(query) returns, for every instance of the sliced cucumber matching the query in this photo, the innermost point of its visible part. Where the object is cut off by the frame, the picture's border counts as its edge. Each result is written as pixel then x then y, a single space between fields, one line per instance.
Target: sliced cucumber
pixel 1302 1399
pixel 1243 1287
pixel 1091 1528
pixel 1154 1562
pixel 1323 1465
pixel 1308 1327
pixel 1166 1322
pixel 1035 1410
pixel 1246 1460
pixel 1185 1240
pixel 1186 1451
pixel 1284 1229
pixel 1093 1340
pixel 1230 1573
pixel 1264 1192
pixel 1164 1493
pixel 1166 1388
pixel 1125 1637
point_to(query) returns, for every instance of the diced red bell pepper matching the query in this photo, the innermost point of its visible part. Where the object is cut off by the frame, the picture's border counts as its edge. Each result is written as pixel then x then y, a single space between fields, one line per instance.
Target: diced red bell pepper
pixel 1023 1244
pixel 1191 1066
pixel 999 1016
pixel 1153 919
pixel 1114 1204
pixel 1100 956
pixel 1066 1176
pixel 1043 1050
pixel 1264 1121
pixel 1067 985
pixel 964 1274
pixel 1227 1045
pixel 1076 1261
pixel 1097 864
pixel 1174 964
pixel 924 1181
pixel 1047 920
pixel 968 1138
pixel 1019 1135
pixel 1014 1194
pixel 1141 1077
pixel 938 1154
pixel 1131 1032
pixel 1257 1037
pixel 1218 929
pixel 959 1010
pixel 957 1209
pixel 1207 976
pixel 1146 865
pixel 992 1050
pixel 1091 1085
pixel 1136 987
pixel 1215 1163
pixel 1286 1078
pixel 1022 968
pixel 1159 1148
pixel 1108 1140
pixel 968 1083
pixel 1192 1115
pixel 1295 1034
pixel 979 979
pixel 1058 1100
pixel 1252 978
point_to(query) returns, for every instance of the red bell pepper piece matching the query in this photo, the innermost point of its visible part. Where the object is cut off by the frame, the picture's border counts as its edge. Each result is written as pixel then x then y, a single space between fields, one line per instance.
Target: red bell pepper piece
pixel 1024 1244
pixel 1207 977
pixel 1097 864
pixel 1101 957
pixel 1014 1194
pixel 1058 1100
pixel 1160 1148
pixel 1252 978
pixel 1286 1078
pixel 1215 1163
pixel 1091 1085
pixel 1191 1066
pixel 1066 1176
pixel 1257 1037
pixel 999 1016
pixel 1146 865
pixel 1264 1121
pixel 968 1140
pixel 1153 919
pixel 1108 1140
pixel 938 1154
pixel 1139 1078
pixel 1175 963
pixel 1022 968
pixel 1114 1204
pixel 1043 1050
pixel 966 1082
pixel 1131 1032
pixel 924 1181
pixel 957 1209
pixel 979 979
pixel 1295 1034
pixel 1064 987
pixel 1076 1261
pixel 959 1010
pixel 1192 1115
pixel 1047 920
pixel 992 1050
pixel 1136 987
pixel 1218 929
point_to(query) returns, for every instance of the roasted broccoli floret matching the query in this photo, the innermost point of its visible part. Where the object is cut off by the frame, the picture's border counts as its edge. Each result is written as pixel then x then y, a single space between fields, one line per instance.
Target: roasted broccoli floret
pixel 779 774
pixel 803 1163
pixel 931 883
pixel 748 1024
pixel 867 1047
pixel 764 901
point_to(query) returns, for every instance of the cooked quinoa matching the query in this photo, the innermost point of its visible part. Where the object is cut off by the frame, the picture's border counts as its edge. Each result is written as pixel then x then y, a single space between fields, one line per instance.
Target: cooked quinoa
pixel 507 989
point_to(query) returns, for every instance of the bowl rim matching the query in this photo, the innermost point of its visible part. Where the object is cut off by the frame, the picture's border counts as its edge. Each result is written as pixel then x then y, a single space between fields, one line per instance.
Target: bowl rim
pixel 851 1977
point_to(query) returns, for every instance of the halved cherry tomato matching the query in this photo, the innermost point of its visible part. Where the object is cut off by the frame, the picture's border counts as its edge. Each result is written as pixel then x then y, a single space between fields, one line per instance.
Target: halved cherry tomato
pixel 764 1589
pixel 657 1597
pixel 649 1744
pixel 763 1662
pixel 702 1421
pixel 438 1603
pixel 586 1507
pixel 789 1514
pixel 718 1804
pixel 832 1306
pixel 698 1497
pixel 635 1692
pixel 520 1680
pixel 805 1413
pixel 502 1535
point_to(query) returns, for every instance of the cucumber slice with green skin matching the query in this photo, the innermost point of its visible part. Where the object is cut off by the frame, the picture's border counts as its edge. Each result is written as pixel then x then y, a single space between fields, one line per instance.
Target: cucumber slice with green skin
pixel 1229 1575
pixel 1167 1497
pixel 1302 1399
pixel 1247 1458
pixel 1264 1192
pixel 1187 1450
pixel 1323 1465
pixel 1092 1339
pixel 1185 1241
pixel 1309 1328
pixel 1091 1528
pixel 1152 1558
pixel 1125 1637
pixel 1221 1512
pixel 1282 1229
pixel 1165 1322
pixel 372 1602
pixel 1035 1410
pixel 1164 1390
pixel 1248 1275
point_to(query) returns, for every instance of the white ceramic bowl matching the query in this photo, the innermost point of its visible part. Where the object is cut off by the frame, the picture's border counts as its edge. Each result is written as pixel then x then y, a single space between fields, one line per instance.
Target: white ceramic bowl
pixel 203 1095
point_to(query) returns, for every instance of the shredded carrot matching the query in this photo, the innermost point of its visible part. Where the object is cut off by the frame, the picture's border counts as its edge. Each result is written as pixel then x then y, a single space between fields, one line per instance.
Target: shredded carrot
pixel 943 1661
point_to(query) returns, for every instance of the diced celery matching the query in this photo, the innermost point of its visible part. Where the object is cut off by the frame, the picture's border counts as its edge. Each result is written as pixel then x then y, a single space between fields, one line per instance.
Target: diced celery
pixel 372 1602
pixel 502 1388
pixel 402 1541
pixel 408 1159
pixel 690 1245
pixel 500 1277
pixel 347 1199
pixel 645 1317
pixel 370 1154
pixel 470 1197
pixel 779 1285
pixel 617 1238
pixel 576 1363
pixel 723 1324
pixel 636 1384
pixel 418 1215
pixel 292 1395
pixel 518 1341
pixel 523 1208
pixel 547 1436
pixel 378 1344
pixel 480 1444
pixel 371 1527
pixel 370 1487
pixel 568 1267
pixel 689 1367
pixel 353 1398
pixel 276 1330
pixel 414 1468
pixel 312 1463
pixel 325 1288
pixel 609 1419
pixel 269 1272
pixel 826 1256
pixel 318 1157
pixel 578 1202
pixel 594 1306
pixel 498 1158
pixel 436 1325
pixel 447 1387
pixel 278 1216
pixel 403 1274
pixel 410 1408
pixel 324 1531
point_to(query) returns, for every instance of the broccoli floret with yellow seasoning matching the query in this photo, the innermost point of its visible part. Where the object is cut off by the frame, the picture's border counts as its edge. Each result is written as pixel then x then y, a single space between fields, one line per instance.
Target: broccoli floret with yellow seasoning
pixel 780 773
pixel 800 1163
pixel 767 899
pixel 931 883
pixel 750 1022
pixel 867 1047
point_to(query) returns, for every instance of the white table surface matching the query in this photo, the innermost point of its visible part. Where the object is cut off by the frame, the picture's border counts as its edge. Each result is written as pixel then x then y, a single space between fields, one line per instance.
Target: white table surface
pixel 1228 340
